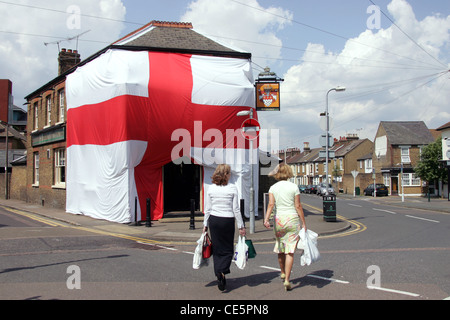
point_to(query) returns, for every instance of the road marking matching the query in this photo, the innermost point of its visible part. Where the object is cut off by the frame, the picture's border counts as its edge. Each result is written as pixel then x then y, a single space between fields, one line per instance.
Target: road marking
pixel 359 226
pixel 270 268
pixel 310 275
pixel 35 217
pixel 327 279
pixel 394 291
pixel 435 221
pixel 156 245
pixel 392 212
pixel 355 205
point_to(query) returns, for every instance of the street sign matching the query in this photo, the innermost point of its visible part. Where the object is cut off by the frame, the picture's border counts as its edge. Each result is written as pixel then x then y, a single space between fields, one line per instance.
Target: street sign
pixel 323 140
pixel 355 173
pixel 250 129
pixel 323 123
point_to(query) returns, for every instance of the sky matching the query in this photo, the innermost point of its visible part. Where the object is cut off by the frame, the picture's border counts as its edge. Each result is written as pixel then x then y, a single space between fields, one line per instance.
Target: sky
pixel 392 56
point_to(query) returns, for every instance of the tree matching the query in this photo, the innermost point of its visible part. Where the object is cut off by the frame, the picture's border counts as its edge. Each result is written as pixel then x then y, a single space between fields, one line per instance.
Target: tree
pixel 429 167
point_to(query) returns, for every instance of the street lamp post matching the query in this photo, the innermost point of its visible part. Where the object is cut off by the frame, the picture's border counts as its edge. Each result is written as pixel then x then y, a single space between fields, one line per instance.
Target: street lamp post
pixel 337 89
pixel 252 189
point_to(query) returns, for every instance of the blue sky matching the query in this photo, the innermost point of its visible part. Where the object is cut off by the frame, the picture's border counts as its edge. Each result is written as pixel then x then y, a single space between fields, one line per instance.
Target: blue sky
pixel 387 75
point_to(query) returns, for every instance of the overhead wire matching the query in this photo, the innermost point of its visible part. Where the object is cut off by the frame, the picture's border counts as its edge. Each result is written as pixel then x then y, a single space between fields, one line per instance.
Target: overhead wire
pixel 328 32
pixel 409 37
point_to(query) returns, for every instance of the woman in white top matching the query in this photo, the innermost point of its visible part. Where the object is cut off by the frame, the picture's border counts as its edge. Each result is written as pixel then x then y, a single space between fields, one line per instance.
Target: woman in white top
pixel 289 212
pixel 221 210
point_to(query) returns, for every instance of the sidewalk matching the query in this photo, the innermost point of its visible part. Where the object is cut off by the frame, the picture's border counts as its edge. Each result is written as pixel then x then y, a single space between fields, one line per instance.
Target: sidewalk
pixel 173 227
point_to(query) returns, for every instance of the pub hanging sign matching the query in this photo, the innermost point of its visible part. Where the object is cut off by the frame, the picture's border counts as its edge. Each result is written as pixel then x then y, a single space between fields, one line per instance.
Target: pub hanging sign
pixel 268 91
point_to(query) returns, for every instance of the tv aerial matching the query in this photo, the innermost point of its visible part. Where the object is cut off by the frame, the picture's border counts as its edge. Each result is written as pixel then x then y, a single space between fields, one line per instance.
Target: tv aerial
pixel 66 39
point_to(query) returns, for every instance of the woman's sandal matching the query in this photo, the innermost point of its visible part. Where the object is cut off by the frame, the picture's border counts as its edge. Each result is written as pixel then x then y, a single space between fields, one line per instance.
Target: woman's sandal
pixel 287 286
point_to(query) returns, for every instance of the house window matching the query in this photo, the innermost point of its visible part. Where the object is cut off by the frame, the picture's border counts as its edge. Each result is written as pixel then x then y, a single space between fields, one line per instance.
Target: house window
pixel 341 164
pixel 36 168
pixel 386 179
pixel 60 168
pixel 368 165
pixel 36 116
pixel 405 154
pixel 49 109
pixel 61 101
pixel 410 180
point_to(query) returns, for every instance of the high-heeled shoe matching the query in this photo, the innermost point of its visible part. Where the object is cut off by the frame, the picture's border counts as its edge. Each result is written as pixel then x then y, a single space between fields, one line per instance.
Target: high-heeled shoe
pixel 287 286
pixel 221 281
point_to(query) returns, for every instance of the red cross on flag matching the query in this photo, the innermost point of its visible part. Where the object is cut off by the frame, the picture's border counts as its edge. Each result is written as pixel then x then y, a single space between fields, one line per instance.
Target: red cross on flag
pixel 123 110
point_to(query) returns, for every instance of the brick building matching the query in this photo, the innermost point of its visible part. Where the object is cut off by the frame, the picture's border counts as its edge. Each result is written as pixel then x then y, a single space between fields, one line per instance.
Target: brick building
pixel 12 135
pixel 46 145
pixel 397 148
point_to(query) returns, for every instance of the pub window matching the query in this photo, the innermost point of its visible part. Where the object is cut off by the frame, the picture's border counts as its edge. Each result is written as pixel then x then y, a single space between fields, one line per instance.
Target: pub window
pixel 36 116
pixel 60 167
pixel 49 109
pixel 61 101
pixel 36 168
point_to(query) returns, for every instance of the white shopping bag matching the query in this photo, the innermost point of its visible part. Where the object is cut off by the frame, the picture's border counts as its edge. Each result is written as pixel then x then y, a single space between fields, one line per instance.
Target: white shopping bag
pixel 241 253
pixel 198 260
pixel 308 242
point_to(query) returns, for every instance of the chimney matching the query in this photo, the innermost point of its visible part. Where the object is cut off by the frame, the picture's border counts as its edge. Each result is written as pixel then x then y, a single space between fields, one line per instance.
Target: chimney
pixel 306 147
pixel 67 59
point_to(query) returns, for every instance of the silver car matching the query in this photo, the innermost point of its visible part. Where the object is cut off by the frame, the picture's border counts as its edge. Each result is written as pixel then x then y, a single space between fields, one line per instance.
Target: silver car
pixel 322 189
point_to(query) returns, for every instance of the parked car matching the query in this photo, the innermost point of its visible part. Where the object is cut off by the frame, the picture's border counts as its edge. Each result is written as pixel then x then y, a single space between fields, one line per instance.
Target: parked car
pixel 302 188
pixel 311 188
pixel 382 190
pixel 322 189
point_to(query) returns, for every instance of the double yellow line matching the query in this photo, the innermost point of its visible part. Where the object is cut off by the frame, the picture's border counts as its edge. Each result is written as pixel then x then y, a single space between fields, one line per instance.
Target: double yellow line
pixel 53 223
pixel 36 217
pixel 359 227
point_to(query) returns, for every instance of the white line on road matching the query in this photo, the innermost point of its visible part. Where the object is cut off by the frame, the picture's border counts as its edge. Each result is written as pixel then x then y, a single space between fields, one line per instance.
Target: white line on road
pixel 355 205
pixel 270 268
pixel 310 275
pixel 435 221
pixel 392 212
pixel 394 291
pixel 327 279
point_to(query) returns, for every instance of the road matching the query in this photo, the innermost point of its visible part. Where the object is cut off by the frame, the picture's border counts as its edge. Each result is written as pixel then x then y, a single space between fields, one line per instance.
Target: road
pixel 389 253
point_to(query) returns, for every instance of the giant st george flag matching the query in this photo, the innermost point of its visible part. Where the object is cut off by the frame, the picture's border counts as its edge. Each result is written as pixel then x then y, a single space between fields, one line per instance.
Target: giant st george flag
pixel 123 109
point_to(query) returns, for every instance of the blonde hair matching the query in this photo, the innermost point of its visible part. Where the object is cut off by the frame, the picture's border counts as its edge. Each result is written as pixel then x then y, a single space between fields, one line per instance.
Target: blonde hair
pixel 282 172
pixel 220 176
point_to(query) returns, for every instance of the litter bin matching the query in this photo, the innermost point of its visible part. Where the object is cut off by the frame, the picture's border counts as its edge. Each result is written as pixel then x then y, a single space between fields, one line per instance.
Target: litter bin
pixel 329 208
pixel 357 191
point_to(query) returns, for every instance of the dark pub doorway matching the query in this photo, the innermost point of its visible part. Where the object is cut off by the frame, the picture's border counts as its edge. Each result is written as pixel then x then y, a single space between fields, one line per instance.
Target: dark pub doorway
pixel 181 184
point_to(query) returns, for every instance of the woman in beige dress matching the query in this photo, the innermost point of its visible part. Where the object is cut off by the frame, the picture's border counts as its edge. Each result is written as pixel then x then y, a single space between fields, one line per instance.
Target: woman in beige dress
pixel 285 196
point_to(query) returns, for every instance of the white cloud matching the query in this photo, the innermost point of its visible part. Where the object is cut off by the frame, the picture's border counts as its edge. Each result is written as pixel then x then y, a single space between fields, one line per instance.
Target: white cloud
pixel 232 21
pixel 376 68
pixel 26 61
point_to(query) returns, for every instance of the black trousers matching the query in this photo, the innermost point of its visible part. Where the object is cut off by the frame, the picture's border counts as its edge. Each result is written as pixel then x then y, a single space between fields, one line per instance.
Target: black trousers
pixel 222 238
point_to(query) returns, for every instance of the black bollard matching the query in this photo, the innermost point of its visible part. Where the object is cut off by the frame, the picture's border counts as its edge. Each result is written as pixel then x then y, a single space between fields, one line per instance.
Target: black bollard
pixel 192 220
pixel 148 222
pixel 135 212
